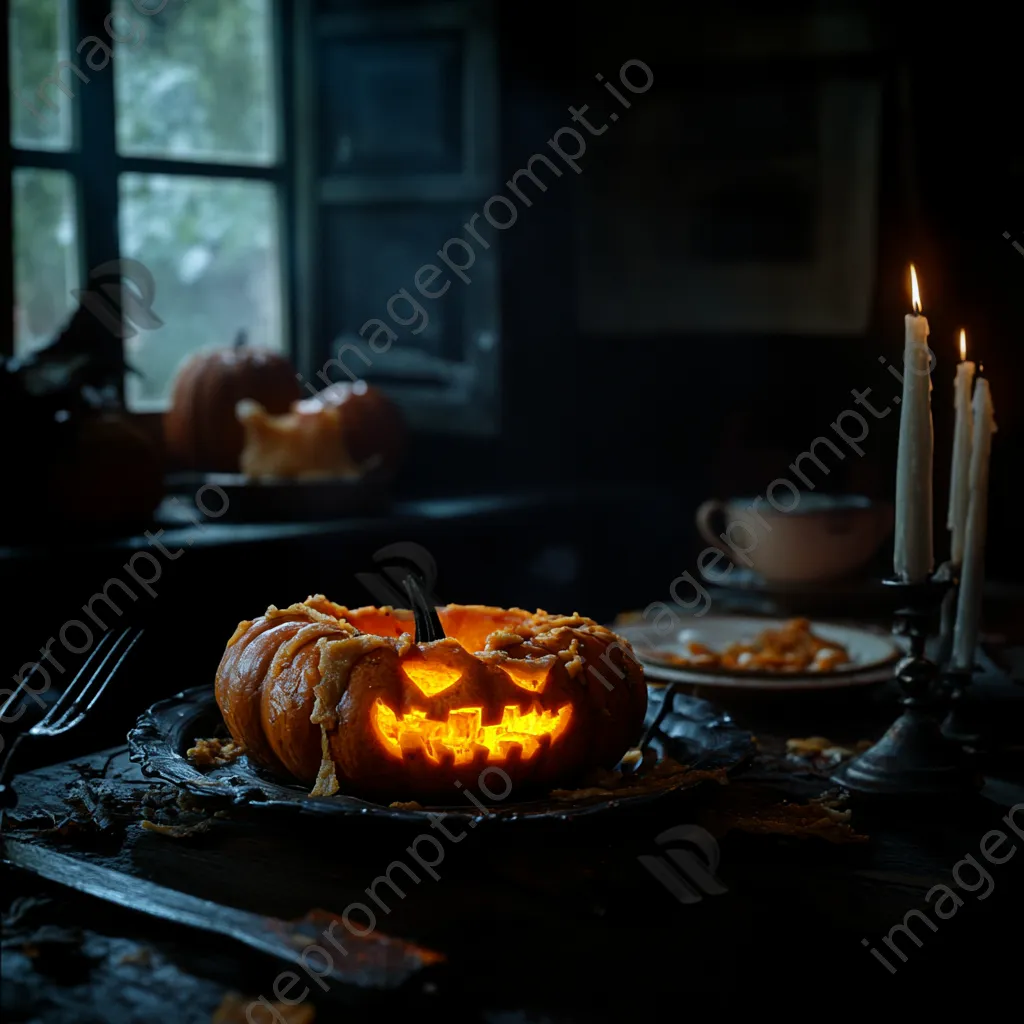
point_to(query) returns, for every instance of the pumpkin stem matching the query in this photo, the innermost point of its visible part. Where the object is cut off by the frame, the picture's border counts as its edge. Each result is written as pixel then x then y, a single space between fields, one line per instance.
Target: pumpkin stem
pixel 241 339
pixel 428 625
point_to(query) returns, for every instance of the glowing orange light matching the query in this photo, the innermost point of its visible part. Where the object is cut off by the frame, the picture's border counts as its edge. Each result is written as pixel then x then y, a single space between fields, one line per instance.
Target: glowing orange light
pixel 915 291
pixel 431 677
pixel 529 678
pixel 462 736
pixel 963 345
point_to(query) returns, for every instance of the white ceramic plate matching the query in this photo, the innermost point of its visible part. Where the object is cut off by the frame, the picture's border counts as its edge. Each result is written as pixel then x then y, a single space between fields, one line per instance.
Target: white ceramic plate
pixel 872 654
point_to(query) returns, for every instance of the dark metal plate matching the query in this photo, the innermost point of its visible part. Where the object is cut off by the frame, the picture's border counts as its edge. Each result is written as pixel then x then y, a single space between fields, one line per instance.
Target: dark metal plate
pixel 272 501
pixel 693 732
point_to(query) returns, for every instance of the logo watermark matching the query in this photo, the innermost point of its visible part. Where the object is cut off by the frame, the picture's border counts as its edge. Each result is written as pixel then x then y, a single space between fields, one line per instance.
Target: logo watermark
pixel 397 563
pixel 687 868
pixel 121 309
pixel 1014 242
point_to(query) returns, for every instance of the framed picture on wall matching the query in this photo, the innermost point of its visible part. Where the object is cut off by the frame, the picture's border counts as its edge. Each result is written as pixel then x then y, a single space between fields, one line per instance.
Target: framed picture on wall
pixel 741 208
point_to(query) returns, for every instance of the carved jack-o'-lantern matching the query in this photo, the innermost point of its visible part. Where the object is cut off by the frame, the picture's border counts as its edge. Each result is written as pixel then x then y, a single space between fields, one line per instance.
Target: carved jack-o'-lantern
pixel 351 700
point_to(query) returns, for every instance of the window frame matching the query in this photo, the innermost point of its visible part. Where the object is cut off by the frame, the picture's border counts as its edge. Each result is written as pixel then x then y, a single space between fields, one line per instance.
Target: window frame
pixel 95 165
pixel 469 404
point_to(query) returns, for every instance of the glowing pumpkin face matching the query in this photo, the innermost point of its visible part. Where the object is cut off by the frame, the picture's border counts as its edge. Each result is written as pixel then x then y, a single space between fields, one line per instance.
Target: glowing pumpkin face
pixel 433 723
pixel 350 699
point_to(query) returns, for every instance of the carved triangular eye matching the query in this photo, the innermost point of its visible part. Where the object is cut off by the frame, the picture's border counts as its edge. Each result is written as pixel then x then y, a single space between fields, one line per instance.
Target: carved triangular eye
pixel 431 677
pixel 528 678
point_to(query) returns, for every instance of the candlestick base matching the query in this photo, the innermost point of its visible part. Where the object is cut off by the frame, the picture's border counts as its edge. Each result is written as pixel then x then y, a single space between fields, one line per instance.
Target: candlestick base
pixel 914 758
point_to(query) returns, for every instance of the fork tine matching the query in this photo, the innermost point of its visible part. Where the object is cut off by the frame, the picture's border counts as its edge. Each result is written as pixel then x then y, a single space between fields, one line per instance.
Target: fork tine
pixel 66 697
pixel 79 690
pixel 110 676
pixel 86 695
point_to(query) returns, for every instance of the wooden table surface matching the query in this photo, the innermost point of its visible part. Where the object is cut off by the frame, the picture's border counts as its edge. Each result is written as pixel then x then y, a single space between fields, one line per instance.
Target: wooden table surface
pixel 557 923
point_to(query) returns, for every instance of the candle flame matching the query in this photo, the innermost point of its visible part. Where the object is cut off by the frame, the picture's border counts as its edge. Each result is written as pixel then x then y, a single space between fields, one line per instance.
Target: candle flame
pixel 915 291
pixel 963 345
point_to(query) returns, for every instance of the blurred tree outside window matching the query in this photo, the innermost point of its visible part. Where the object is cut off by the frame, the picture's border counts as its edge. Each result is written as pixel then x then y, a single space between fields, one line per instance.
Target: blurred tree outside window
pixel 197 165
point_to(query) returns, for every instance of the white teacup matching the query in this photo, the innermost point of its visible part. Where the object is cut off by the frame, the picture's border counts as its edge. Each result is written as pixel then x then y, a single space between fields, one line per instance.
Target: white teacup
pixel 822 538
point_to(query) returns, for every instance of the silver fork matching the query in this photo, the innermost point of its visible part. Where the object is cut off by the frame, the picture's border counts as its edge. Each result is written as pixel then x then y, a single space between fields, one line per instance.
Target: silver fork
pixel 77 700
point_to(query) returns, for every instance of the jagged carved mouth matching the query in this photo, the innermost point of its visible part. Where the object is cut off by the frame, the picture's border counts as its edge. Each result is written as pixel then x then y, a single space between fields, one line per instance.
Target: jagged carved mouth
pixel 463 736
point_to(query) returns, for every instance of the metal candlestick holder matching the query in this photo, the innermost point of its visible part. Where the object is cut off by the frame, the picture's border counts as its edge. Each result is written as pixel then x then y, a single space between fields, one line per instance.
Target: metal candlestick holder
pixel 948 574
pixel 914 758
pixel 959 724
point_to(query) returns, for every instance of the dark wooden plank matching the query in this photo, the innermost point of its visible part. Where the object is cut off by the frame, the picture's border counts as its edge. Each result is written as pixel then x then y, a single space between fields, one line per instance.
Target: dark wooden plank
pixel 375 961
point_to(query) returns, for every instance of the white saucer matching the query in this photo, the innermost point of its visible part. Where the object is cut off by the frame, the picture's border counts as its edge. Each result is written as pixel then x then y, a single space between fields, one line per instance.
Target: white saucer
pixel 872 654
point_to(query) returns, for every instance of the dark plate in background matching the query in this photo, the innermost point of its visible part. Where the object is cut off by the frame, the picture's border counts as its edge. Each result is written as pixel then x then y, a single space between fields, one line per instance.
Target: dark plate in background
pixel 254 501
pixel 863 596
pixel 693 732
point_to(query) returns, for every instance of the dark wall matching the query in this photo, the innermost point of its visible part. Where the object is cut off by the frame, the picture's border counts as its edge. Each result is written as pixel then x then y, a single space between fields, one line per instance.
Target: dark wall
pixel 717 414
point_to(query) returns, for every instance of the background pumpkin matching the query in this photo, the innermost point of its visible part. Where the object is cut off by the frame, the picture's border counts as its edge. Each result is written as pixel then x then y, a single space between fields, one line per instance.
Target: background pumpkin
pixel 109 474
pixel 372 426
pixel 200 428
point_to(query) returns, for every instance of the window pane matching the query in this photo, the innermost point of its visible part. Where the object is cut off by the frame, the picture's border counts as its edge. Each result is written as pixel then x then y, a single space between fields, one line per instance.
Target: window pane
pixel 45 255
pixel 212 248
pixel 40 108
pixel 199 84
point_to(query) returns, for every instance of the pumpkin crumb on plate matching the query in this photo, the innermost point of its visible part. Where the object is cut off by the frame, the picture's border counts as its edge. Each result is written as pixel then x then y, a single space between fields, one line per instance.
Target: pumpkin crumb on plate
pixel 666 774
pixel 141 955
pixel 822 818
pixel 405 805
pixel 808 745
pixel 822 747
pixel 211 753
pixel 327 778
pixel 177 831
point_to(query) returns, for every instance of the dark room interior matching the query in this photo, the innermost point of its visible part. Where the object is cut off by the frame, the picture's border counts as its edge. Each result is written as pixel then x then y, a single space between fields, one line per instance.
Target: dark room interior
pixel 645 375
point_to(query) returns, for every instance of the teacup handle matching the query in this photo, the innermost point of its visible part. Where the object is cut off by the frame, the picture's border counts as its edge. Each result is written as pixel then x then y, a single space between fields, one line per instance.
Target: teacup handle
pixel 711 523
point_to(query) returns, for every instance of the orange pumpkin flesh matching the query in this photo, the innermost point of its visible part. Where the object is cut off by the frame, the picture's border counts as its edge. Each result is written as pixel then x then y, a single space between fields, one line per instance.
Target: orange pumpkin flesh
pixel 348 700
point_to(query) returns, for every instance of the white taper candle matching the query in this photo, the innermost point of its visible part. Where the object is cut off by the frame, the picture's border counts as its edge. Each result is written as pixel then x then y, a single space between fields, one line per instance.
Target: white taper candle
pixel 972 577
pixel 913 559
pixel 959 478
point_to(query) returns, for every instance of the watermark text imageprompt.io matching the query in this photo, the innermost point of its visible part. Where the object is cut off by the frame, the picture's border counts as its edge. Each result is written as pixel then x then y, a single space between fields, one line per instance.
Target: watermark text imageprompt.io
pixel 743 533
pixel 95 52
pixel 141 573
pixel 969 875
pixel 360 919
pixel 500 212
